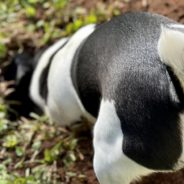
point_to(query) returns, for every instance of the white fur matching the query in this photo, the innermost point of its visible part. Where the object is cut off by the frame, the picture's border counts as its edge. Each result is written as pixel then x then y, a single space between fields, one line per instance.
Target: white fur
pixel 177 26
pixel 171 50
pixel 43 62
pixel 111 165
pixel 64 105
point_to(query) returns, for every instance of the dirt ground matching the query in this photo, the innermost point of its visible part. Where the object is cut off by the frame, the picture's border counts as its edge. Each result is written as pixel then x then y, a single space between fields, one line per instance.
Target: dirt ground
pixel 175 10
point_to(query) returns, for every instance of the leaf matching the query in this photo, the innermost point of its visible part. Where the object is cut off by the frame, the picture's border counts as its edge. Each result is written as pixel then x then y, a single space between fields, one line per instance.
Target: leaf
pixel 19 151
pixel 59 4
pixel 20 181
pixel 36 145
pixel 77 24
pixel 3 125
pixel 10 141
pixel 3 50
pixel 69 159
pixel 91 19
pixel 48 156
pixel 69 28
pixel 30 11
pixel 73 144
pixel 32 1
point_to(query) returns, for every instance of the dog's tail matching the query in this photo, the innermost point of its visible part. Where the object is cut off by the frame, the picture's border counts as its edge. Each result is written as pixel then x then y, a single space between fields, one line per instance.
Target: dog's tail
pixel 171 49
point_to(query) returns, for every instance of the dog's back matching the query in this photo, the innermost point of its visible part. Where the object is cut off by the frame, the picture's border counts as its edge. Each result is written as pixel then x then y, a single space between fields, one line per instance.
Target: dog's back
pixel 115 55
pixel 120 63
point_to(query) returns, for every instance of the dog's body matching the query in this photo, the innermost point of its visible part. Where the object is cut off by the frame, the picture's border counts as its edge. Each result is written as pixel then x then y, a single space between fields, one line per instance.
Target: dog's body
pixel 120 73
pixel 63 106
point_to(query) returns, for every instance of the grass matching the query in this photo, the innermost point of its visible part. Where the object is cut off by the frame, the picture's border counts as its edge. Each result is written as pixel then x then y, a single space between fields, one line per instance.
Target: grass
pixel 31 149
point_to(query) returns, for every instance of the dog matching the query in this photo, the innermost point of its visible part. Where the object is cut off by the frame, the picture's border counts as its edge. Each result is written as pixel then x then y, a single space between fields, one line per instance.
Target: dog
pixel 127 76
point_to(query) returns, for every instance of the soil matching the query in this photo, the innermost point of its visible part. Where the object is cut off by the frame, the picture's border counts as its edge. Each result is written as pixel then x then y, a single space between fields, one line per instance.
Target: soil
pixel 170 8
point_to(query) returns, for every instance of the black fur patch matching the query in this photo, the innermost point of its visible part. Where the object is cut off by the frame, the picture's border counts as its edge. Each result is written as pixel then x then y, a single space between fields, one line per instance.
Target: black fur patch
pixel 149 120
pixel 87 90
pixel 43 87
pixel 177 86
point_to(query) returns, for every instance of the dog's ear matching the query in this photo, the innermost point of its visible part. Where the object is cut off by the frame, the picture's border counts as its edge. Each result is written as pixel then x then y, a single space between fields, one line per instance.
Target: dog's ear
pixel 171 49
pixel 23 65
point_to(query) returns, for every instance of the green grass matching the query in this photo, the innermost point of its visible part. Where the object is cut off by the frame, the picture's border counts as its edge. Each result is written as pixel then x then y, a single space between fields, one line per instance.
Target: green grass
pixel 30 150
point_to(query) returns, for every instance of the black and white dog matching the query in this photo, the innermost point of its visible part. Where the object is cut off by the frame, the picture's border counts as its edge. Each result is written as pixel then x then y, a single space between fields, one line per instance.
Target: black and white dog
pixel 128 76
